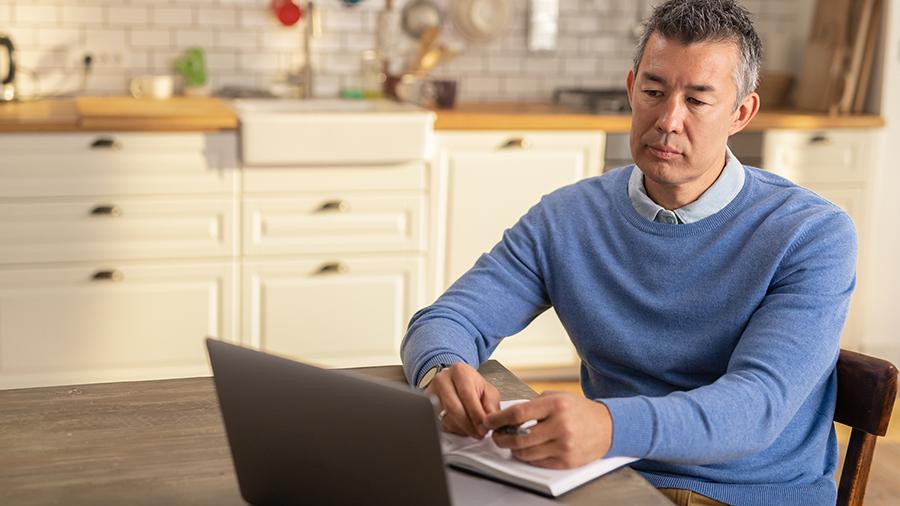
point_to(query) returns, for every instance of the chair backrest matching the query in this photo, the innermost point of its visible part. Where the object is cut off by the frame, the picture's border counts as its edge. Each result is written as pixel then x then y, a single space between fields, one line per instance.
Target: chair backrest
pixel 867 387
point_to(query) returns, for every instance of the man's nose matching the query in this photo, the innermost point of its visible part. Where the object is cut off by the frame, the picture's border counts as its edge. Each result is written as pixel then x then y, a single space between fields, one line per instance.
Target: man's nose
pixel 671 118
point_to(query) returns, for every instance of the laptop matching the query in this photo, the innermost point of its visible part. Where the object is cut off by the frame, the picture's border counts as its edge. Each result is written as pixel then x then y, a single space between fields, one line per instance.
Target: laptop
pixel 300 434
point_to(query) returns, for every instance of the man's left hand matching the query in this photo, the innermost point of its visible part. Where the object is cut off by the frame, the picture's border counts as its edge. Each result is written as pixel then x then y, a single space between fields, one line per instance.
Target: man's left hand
pixel 571 430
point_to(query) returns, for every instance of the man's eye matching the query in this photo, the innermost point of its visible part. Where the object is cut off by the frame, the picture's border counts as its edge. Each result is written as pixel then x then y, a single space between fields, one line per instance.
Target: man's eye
pixel 694 101
pixel 653 93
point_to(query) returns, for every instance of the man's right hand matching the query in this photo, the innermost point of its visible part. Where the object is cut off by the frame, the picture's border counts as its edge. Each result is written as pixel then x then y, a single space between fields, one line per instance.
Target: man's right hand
pixel 467 398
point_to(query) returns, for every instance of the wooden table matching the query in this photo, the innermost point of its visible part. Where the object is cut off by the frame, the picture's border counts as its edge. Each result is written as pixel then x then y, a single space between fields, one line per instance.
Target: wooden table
pixel 163 442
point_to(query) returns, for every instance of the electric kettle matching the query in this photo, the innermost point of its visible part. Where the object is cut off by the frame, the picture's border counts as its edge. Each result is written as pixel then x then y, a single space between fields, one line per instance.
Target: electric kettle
pixel 7 69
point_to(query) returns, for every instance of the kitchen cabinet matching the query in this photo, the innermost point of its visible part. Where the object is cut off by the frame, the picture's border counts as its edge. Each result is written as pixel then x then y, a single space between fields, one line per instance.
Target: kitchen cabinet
pixel 838 165
pixel 334 253
pixel 111 321
pixel 336 310
pixel 486 180
pixel 120 255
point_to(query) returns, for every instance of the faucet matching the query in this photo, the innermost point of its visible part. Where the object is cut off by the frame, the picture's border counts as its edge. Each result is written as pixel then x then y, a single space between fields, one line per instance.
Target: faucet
pixel 312 29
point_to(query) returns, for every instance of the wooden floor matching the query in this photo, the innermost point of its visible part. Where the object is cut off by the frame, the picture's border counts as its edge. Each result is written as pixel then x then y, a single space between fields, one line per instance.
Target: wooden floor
pixel 884 480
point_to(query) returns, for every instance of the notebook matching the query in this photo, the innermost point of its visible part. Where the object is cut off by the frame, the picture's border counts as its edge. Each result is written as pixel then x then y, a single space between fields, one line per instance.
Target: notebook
pixel 486 458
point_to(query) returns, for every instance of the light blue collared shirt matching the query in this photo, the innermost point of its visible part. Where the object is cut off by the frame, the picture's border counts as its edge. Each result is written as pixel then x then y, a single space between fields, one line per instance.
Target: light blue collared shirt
pixel 713 200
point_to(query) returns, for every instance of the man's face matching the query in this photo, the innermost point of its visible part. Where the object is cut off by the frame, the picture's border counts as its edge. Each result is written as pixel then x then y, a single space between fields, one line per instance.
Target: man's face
pixel 683 111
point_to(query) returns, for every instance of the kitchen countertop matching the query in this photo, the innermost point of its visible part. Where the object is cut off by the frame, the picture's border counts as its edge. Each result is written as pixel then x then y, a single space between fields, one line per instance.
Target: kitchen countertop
pixel 513 116
pixel 117 113
pixel 212 114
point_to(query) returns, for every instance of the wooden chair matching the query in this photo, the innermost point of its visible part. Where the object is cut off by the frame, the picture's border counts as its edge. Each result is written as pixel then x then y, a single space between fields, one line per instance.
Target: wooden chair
pixel 867 387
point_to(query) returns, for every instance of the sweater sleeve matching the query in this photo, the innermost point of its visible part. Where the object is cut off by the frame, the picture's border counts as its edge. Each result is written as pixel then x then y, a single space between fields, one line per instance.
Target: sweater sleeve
pixel 788 348
pixel 499 296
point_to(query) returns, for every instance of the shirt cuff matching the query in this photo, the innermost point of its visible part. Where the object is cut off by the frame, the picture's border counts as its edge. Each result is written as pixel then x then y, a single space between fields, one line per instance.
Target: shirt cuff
pixel 632 426
pixel 441 358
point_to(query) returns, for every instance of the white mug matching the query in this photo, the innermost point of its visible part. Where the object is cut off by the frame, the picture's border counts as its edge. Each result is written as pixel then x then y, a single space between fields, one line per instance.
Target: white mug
pixel 157 87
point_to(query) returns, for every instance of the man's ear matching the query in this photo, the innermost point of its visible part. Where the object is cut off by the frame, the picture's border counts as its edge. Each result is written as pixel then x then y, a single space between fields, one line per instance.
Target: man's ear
pixel 629 82
pixel 744 113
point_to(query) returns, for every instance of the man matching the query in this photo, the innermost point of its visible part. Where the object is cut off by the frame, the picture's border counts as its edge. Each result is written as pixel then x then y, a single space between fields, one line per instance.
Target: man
pixel 705 298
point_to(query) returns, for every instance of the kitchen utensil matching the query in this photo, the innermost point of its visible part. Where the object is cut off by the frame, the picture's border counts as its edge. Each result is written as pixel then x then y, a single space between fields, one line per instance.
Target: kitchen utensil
pixel 443 92
pixel 158 87
pixel 434 56
pixel 418 15
pixel 425 42
pixel 480 20
pixel 7 69
pixel 287 12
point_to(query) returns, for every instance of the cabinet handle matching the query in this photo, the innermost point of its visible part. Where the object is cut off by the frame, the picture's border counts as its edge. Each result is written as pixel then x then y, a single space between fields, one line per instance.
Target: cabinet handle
pixel 820 139
pixel 332 268
pixel 106 143
pixel 333 206
pixel 111 275
pixel 516 143
pixel 107 210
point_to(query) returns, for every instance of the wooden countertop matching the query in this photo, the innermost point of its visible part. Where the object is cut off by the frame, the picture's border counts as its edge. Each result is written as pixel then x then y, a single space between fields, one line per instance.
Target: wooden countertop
pixel 117 113
pixel 163 442
pixel 512 116
pixel 212 114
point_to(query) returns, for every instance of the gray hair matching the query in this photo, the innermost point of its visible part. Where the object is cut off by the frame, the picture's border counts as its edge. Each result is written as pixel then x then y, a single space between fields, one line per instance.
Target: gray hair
pixel 690 21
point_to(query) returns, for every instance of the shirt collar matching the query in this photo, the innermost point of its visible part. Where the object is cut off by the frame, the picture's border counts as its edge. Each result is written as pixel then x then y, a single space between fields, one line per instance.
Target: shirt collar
pixel 713 200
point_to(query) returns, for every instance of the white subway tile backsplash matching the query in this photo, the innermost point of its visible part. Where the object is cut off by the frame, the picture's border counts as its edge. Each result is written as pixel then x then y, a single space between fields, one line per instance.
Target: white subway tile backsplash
pixel 83 15
pixel 27 13
pixel 105 38
pixel 127 15
pixel 225 17
pixel 282 38
pixel 237 39
pixel 50 38
pixel 246 46
pixel 150 38
pixel 172 16
pixel 196 37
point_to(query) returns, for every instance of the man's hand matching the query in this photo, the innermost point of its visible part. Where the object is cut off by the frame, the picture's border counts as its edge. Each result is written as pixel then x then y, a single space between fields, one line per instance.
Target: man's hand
pixel 467 398
pixel 571 430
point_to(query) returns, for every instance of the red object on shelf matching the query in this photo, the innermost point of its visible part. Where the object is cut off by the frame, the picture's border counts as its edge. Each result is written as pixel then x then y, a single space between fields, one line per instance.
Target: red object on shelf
pixel 287 12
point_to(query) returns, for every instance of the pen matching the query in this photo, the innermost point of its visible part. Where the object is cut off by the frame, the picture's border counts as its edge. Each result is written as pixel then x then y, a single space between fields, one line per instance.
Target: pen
pixel 517 430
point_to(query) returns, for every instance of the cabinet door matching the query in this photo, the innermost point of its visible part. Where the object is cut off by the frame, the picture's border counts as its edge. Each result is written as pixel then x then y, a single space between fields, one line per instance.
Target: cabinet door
pixel 128 228
pixel 337 312
pixel 341 221
pixel 81 164
pixel 112 323
pixel 491 180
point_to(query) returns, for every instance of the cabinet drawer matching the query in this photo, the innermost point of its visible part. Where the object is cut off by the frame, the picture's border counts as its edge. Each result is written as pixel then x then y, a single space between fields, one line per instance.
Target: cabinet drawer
pixel 117 229
pixel 837 156
pixel 49 165
pixel 344 223
pixel 60 326
pixel 352 316
pixel 405 176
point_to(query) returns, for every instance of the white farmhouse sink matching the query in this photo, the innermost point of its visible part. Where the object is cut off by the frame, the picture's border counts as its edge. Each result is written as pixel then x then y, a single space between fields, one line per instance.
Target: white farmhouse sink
pixel 331 132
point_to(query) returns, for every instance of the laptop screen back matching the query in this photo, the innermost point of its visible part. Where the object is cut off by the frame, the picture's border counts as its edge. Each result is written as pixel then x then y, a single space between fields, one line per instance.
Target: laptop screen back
pixel 304 435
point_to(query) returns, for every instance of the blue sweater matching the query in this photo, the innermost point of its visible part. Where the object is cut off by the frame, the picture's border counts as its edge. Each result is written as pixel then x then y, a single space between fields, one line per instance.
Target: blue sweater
pixel 712 343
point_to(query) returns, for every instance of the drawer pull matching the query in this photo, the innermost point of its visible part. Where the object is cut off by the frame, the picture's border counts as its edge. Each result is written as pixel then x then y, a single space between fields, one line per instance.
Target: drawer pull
pixel 820 139
pixel 332 268
pixel 516 143
pixel 334 206
pixel 106 143
pixel 113 275
pixel 107 210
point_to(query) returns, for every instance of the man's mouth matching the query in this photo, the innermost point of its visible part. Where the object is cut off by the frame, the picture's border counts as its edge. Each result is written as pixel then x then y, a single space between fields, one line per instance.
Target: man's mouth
pixel 663 152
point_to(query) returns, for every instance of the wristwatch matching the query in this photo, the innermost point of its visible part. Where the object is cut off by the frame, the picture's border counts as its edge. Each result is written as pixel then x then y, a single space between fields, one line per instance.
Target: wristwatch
pixel 430 375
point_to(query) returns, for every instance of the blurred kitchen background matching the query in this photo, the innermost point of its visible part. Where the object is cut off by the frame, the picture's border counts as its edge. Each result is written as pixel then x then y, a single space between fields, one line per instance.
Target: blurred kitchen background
pixel 534 94
pixel 246 46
